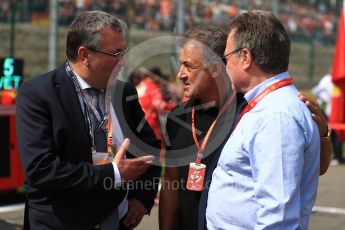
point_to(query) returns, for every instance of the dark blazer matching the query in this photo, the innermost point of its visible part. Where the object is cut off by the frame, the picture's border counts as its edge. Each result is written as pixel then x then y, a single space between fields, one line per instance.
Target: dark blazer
pixel 55 149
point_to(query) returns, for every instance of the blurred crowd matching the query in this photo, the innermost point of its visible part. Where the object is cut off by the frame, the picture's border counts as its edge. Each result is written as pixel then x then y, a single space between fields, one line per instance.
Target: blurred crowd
pixel 158 94
pixel 302 20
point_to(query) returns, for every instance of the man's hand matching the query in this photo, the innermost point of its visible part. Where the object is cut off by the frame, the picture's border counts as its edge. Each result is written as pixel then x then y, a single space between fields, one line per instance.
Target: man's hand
pixel 317 115
pixel 319 118
pixel 131 169
pixel 135 214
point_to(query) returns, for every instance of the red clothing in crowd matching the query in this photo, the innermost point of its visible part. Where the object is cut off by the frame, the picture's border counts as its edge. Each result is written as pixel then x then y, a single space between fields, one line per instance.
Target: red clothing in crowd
pixel 153 104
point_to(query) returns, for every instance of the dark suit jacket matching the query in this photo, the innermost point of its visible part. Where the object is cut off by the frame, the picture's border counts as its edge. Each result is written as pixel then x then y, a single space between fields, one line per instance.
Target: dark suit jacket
pixel 55 150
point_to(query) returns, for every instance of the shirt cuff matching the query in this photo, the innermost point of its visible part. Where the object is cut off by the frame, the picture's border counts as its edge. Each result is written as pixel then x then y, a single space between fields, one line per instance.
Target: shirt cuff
pixel 117 176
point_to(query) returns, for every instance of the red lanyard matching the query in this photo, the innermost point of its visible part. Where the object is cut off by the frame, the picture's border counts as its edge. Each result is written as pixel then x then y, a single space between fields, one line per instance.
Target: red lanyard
pixel 208 134
pixel 268 90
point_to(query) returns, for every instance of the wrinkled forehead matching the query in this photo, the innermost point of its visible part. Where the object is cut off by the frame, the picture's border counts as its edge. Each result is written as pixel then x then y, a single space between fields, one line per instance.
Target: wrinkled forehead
pixel 193 50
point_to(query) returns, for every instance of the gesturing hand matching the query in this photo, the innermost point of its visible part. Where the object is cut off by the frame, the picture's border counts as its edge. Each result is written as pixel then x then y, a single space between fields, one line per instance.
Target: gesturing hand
pixel 131 169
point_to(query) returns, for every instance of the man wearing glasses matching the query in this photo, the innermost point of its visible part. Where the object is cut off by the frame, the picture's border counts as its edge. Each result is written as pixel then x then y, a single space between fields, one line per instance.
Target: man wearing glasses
pixel 267 173
pixel 208 88
pixel 63 122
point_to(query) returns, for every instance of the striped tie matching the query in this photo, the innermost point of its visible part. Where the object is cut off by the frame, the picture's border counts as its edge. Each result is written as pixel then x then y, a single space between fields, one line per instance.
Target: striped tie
pixel 99 135
pixel 111 222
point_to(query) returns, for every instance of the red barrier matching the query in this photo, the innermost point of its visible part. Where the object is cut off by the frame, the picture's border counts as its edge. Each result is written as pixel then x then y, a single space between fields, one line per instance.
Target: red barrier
pixel 11 172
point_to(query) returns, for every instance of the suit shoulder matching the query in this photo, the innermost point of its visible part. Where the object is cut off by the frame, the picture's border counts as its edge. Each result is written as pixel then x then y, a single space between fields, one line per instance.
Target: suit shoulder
pixel 181 106
pixel 124 87
pixel 44 80
pixel 181 110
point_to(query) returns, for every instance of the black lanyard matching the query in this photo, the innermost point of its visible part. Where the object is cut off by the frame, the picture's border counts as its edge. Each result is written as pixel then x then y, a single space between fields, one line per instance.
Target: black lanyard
pixel 88 105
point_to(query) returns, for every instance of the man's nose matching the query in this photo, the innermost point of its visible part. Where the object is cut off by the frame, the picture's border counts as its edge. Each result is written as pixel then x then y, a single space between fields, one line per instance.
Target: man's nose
pixel 181 73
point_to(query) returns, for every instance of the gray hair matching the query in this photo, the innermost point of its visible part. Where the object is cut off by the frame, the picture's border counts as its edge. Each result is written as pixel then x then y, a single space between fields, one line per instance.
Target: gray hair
pixel 212 38
pixel 84 31
pixel 263 34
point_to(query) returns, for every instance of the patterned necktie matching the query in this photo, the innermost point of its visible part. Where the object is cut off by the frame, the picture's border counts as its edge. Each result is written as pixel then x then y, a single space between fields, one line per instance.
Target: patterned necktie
pixel 100 136
pixel 111 222
pixel 241 104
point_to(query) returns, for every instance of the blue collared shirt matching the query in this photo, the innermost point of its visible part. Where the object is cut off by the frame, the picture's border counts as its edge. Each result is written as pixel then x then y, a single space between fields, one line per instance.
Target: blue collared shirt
pixel 267 174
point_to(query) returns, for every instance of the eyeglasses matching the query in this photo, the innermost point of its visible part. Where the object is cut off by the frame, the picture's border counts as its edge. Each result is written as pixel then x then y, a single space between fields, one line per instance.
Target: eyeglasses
pixel 117 55
pixel 231 53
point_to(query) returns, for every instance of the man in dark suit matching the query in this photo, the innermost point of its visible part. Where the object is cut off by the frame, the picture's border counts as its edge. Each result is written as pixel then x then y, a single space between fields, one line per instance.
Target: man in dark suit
pixel 56 134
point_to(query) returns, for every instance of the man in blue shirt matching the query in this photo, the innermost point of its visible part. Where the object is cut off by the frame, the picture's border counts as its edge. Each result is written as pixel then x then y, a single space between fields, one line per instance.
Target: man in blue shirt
pixel 267 173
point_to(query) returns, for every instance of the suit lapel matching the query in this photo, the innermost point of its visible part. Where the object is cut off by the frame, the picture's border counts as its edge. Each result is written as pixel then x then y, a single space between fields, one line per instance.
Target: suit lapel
pixel 69 101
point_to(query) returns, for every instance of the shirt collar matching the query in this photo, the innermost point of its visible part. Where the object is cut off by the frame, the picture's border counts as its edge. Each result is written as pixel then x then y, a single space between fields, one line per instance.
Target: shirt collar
pixel 83 84
pixel 263 85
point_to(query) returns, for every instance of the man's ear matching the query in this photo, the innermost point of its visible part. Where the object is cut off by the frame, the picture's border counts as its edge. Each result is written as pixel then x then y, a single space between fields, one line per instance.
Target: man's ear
pixel 84 55
pixel 215 69
pixel 246 59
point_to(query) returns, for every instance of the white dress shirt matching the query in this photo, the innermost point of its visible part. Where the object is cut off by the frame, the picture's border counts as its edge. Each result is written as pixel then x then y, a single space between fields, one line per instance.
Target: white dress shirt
pixel 117 141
